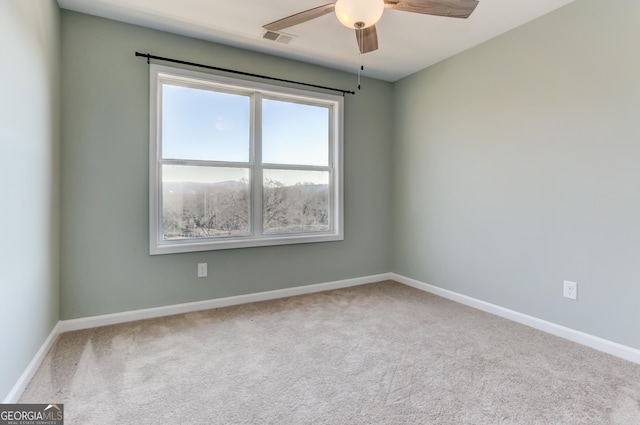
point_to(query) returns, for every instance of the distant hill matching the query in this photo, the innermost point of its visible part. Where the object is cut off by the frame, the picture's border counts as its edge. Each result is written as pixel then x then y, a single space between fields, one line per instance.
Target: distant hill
pixel 195 187
pixel 231 185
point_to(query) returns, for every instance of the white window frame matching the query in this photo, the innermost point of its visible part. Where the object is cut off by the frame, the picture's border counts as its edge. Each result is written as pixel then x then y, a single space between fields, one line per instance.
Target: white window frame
pixel 157 244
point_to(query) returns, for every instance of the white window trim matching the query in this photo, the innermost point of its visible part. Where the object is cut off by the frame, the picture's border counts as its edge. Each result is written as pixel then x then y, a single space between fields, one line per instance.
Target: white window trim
pixel 336 233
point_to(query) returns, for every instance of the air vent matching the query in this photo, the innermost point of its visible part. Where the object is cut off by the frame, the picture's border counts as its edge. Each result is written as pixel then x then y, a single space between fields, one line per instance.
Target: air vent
pixel 270 35
pixel 277 36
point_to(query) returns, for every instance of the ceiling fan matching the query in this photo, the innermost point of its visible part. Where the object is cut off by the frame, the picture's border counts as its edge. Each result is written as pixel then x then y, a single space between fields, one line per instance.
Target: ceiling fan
pixel 362 15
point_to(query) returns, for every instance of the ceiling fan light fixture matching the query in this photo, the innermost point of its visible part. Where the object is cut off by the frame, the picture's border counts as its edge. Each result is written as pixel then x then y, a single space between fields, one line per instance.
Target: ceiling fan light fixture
pixel 359 13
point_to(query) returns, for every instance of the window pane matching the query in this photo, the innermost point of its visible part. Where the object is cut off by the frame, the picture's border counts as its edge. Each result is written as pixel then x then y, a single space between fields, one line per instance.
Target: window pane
pixel 204 125
pixel 204 202
pixel 295 201
pixel 293 133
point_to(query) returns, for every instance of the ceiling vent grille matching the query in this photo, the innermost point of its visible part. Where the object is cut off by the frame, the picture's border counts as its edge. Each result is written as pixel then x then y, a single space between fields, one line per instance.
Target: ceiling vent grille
pixel 276 36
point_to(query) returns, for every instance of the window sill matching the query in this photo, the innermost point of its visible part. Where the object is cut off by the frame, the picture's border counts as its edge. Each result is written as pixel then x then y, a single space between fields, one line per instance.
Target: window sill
pixel 207 245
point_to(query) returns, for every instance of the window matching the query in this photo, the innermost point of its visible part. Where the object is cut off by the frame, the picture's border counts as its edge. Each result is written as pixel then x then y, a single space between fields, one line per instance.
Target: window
pixel 237 164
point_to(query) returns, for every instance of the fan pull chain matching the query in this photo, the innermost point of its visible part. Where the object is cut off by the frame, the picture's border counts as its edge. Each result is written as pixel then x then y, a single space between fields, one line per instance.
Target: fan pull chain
pixel 361 37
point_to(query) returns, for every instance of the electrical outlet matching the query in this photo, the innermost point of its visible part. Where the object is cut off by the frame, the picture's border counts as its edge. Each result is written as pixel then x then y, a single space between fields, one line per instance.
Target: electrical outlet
pixel 202 269
pixel 570 290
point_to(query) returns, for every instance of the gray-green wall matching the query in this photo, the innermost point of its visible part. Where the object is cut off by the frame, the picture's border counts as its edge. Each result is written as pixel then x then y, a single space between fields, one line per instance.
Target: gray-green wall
pixel 517 166
pixel 29 199
pixel 105 266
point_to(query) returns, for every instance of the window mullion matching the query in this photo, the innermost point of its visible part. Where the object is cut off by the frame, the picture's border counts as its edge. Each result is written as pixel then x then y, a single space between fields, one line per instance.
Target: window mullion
pixel 256 175
pixel 202 163
pixel 297 167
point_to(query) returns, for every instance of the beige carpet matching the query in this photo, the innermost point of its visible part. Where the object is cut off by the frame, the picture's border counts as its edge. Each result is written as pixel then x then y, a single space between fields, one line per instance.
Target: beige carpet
pixel 376 354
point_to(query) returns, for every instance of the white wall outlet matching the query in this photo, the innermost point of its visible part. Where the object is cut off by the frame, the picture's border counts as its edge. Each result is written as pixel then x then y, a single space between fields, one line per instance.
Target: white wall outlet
pixel 570 290
pixel 202 269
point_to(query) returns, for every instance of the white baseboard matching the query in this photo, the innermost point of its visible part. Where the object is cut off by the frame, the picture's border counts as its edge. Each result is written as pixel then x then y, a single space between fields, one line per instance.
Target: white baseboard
pixel 149 313
pixel 600 344
pixel 25 378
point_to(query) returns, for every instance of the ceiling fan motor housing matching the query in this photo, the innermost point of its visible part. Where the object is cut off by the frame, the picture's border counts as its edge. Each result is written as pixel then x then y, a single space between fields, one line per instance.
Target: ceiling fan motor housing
pixel 359 14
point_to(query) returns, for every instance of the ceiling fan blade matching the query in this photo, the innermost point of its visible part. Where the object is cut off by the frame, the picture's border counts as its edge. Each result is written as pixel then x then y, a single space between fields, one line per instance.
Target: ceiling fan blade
pixel 299 18
pixel 367 39
pixel 449 8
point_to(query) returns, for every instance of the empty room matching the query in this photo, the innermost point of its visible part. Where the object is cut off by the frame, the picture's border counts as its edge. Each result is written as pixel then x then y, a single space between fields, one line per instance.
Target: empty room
pixel 299 212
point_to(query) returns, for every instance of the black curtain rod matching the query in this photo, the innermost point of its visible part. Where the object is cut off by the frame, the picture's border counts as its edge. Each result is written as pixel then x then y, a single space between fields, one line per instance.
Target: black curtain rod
pixel 248 74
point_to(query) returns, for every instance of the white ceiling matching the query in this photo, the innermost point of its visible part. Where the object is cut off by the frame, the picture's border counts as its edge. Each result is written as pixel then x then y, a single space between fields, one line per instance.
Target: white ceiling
pixel 408 42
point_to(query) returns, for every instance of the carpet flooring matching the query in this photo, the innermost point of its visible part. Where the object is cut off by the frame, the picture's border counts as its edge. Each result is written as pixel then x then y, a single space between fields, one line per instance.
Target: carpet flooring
pixel 381 353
